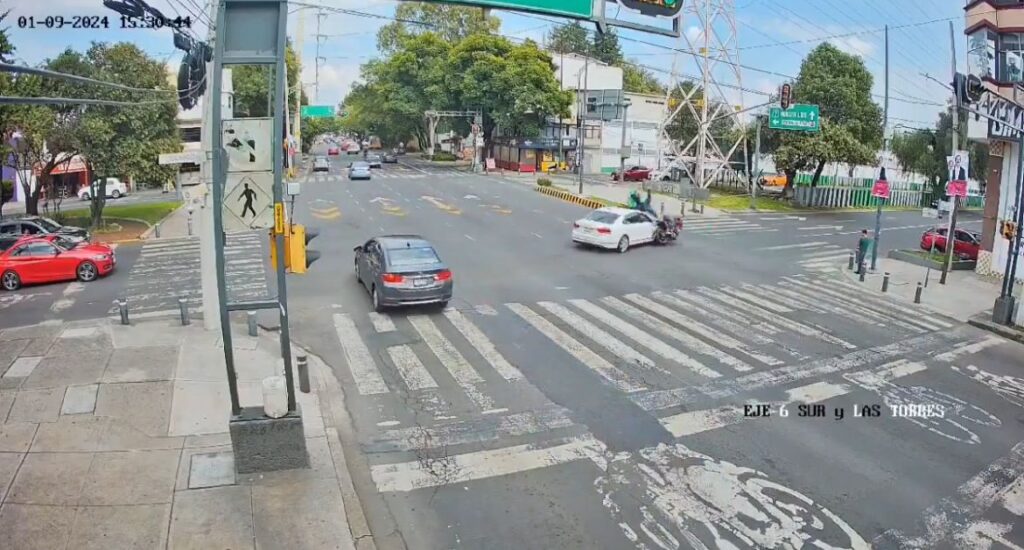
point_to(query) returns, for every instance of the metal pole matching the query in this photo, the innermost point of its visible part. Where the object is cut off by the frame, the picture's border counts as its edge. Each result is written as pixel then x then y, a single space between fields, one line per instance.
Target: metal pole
pixel 622 159
pixel 1002 313
pixel 219 177
pixel 207 235
pixel 917 294
pixel 183 311
pixel 885 153
pixel 302 366
pixel 583 123
pixel 122 306
pixel 561 122
pixel 316 62
pixel 853 260
pixel 951 233
pixel 250 321
pixel 885 282
pixel 280 98
pixel 189 221
pixel 757 163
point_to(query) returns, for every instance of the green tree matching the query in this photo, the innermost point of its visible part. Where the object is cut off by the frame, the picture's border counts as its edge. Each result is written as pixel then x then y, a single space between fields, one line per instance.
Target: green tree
pixel 851 123
pixel 605 48
pixel 571 38
pixel 315 127
pixel 925 151
pixel 6 194
pixel 452 23
pixel 252 85
pixel 640 80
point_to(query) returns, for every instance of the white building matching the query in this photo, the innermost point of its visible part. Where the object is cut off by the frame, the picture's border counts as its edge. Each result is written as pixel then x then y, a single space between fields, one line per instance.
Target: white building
pixel 190 126
pixel 643 118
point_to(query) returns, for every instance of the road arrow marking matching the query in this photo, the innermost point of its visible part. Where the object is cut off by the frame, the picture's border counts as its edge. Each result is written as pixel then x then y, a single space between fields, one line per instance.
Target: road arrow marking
pixel 380 199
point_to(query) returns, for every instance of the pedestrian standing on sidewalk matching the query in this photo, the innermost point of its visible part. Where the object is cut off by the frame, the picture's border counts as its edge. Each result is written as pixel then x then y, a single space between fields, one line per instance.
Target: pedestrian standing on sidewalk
pixel 863 246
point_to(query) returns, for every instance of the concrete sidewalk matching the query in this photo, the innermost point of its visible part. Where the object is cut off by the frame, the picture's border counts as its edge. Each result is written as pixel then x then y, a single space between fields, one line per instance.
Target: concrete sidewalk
pixel 619 192
pixel 117 437
pixel 176 224
pixel 964 296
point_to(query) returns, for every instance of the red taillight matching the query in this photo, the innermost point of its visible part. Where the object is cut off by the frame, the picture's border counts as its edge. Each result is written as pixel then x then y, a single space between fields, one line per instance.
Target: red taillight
pixel 604 231
pixel 392 278
pixel 443 276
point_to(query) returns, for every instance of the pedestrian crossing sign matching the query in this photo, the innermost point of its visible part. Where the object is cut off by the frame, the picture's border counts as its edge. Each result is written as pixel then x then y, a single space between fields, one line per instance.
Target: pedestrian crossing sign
pixel 248 202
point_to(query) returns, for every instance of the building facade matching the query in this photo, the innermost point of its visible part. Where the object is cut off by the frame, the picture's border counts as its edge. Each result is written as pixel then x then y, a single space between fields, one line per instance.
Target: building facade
pixel 995 52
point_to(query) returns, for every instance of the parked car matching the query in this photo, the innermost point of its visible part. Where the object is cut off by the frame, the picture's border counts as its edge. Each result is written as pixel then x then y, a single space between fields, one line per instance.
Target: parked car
pixel 39 225
pixel 614 228
pixel 390 158
pixel 965 246
pixel 402 270
pixel 636 173
pixel 359 171
pixel 7 241
pixel 333 150
pixel 321 164
pixel 114 189
pixel 53 258
pixel 374 161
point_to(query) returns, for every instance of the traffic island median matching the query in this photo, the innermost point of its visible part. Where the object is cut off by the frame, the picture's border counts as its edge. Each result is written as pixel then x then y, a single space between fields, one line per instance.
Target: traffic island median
pixel 934 261
pixel 573 198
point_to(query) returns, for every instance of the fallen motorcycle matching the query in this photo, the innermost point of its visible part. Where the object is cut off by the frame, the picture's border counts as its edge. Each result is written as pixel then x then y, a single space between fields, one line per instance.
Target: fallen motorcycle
pixel 669 228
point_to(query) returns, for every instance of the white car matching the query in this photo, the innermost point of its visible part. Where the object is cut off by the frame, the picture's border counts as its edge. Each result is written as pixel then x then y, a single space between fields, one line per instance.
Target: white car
pixel 115 189
pixel 614 228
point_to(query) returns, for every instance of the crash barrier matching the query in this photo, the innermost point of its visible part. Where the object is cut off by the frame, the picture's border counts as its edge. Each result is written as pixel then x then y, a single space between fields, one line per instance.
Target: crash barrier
pixel 566 196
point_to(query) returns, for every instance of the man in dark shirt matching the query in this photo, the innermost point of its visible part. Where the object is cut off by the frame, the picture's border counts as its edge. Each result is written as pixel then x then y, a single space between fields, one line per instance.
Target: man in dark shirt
pixel 863 246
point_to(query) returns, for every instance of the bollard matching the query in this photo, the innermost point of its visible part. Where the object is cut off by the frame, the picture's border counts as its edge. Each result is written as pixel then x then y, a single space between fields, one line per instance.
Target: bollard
pixel 189 223
pixel 885 282
pixel 250 317
pixel 156 230
pixel 917 294
pixel 852 260
pixel 122 305
pixel 303 371
pixel 183 311
pixel 702 208
pixel 863 272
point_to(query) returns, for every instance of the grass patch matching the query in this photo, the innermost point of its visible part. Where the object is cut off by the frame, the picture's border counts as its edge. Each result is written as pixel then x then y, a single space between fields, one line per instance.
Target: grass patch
pixel 742 202
pixel 150 213
pixel 929 255
pixel 544 182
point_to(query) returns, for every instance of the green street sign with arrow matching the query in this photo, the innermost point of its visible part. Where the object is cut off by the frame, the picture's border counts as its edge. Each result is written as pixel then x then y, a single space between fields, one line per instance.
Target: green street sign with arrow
pixel 800 118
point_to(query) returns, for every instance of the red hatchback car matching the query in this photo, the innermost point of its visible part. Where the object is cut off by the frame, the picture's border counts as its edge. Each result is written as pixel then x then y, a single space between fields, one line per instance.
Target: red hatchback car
pixel 333 151
pixel 636 173
pixel 53 258
pixel 965 246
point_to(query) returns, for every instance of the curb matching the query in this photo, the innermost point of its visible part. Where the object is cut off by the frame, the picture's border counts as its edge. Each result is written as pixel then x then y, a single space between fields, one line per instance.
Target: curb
pixel 569 197
pixel 146 234
pixel 1009 333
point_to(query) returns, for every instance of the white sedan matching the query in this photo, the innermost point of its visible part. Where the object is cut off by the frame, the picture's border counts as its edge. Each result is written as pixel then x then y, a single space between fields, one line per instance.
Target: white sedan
pixel 614 228
pixel 115 189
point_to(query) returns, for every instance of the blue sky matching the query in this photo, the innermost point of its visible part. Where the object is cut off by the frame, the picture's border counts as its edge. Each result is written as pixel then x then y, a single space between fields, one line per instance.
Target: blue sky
pixel 915 46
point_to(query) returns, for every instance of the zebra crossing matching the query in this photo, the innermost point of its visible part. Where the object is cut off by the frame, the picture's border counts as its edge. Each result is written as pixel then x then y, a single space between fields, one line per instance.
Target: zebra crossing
pixel 169 269
pixel 823 257
pixel 389 175
pixel 722 226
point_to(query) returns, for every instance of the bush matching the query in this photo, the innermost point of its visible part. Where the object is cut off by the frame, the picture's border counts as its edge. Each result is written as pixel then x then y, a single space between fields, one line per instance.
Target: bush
pixel 544 182
pixel 443 157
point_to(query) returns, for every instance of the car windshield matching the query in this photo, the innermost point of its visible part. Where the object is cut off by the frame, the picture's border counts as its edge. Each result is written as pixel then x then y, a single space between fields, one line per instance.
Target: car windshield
pixel 48 224
pixel 358 165
pixel 603 216
pixel 66 244
pixel 412 256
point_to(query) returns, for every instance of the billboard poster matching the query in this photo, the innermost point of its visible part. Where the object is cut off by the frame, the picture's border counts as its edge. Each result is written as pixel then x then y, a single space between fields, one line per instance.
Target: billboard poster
pixel 958 165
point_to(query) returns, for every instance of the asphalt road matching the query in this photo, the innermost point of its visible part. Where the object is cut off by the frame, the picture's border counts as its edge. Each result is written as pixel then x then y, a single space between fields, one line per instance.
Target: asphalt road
pixel 573 398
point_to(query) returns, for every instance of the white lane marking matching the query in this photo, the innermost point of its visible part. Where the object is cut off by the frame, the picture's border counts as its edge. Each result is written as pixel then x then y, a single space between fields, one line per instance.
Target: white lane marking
pixel 536 235
pixel 470 238
pixel 660 326
pixel 701 329
pixel 757 300
pixel 988 342
pixel 848 303
pixel 720 311
pixel 388 423
pixel 482 344
pixel 416 376
pixel 409 476
pixel 597 335
pixel 830 251
pixel 721 321
pixel 382 323
pixel 495 411
pixel 357 356
pixel 700 421
pixel 67 298
pixel 798 301
pixel 1008 387
pixel 919 311
pixel 788 246
pixel 778 319
pixel 445 351
pixel 583 354
pixel 820 227
pixel 485 309
pixel 890 310
pixel 956 515
pixel 644 338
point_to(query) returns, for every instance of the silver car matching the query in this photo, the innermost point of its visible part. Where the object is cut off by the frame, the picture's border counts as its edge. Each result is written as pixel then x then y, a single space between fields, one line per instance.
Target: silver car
pixel 359 171
pixel 321 164
pixel 374 161
pixel 402 270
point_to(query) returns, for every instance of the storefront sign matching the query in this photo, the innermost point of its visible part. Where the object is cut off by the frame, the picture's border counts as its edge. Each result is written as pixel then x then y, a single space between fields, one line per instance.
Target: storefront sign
pixel 1007 114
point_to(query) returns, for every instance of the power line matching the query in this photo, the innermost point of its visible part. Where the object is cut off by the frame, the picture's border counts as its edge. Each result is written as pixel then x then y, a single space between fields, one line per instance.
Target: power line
pixel 4 67
pixel 5 100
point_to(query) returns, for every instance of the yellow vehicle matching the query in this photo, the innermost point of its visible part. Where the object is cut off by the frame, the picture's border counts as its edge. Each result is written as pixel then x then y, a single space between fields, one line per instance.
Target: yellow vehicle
pixel 776 180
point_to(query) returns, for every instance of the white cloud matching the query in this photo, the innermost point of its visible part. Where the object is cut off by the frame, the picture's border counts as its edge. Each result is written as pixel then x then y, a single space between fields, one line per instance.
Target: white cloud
pixel 335 81
pixel 694 32
pixel 855 45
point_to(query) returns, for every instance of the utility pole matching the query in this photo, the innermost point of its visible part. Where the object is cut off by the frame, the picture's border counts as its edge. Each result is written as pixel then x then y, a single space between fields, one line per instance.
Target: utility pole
pixel 207 235
pixel 583 124
pixel 319 16
pixel 885 153
pixel 622 149
pixel 951 232
pixel 561 87
pixel 757 162
pixel 298 86
pixel 704 127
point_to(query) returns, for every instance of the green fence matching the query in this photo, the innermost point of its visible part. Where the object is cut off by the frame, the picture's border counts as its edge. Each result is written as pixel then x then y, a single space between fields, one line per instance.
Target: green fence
pixel 846 192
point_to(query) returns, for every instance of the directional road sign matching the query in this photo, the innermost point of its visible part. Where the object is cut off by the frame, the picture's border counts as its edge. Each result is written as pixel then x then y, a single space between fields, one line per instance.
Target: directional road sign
pixel 802 118
pixel 317 111
pixel 576 9
pixel 248 144
pixel 248 202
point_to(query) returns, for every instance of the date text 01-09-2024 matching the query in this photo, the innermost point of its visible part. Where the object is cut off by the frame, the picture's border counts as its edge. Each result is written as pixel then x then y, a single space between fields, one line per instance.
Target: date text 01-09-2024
pixel 102 22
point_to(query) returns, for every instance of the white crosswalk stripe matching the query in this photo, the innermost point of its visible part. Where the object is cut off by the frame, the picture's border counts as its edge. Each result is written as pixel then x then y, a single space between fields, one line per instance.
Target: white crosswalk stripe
pixel 452 359
pixel 358 357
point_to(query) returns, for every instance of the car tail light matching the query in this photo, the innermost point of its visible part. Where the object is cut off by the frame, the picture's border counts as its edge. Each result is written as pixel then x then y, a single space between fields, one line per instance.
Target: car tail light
pixel 392 278
pixel 604 231
pixel 445 275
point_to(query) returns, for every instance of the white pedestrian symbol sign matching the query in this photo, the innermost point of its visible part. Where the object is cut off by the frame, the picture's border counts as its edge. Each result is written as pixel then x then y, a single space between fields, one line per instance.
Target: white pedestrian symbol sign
pixel 247 144
pixel 248 201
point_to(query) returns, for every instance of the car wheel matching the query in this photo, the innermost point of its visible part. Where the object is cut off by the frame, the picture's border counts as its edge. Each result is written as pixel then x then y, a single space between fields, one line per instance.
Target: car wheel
pixel 442 305
pixel 87 271
pixel 10 280
pixel 115 194
pixel 375 295
pixel 623 244
pixel 359 278
pixel 85 196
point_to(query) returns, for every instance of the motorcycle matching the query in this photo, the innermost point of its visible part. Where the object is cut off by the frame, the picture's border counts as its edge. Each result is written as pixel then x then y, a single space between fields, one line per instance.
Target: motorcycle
pixel 669 228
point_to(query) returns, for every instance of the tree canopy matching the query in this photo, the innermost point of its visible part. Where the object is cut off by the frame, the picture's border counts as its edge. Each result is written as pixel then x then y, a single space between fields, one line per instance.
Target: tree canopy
pixel 574 38
pixel 252 83
pixel 451 23
pixel 924 151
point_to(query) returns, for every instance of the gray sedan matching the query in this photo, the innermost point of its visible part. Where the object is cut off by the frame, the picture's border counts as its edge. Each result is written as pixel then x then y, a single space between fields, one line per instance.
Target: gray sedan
pixel 359 171
pixel 402 270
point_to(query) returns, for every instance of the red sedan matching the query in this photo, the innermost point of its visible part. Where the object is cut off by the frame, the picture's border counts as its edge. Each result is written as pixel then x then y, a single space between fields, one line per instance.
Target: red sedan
pixel 53 258
pixel 965 246
pixel 333 151
pixel 636 173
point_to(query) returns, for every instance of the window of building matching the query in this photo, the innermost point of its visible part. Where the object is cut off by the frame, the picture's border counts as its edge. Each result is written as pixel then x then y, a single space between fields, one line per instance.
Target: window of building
pixel 1011 57
pixel 981 53
pixel 191 135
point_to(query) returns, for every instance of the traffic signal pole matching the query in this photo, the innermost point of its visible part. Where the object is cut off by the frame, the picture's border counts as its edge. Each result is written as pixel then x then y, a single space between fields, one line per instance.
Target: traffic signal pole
pixel 885 155
pixel 951 232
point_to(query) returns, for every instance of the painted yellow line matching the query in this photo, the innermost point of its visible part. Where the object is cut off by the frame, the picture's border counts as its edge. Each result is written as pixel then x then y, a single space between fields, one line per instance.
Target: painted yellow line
pixel 566 196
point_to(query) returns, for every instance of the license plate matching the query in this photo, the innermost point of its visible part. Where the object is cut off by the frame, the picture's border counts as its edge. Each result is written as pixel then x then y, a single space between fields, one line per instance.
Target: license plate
pixel 421 282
